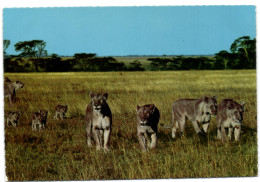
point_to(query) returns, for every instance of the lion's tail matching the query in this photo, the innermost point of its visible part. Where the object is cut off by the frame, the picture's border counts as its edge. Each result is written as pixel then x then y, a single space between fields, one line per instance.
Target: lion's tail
pixel 171 125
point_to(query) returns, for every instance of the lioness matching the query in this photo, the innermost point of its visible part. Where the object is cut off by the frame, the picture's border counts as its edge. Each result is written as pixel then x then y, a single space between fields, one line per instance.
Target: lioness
pixel 60 111
pixel 39 120
pixel 147 122
pixel 98 121
pixel 230 115
pixel 12 118
pixel 10 89
pixel 196 110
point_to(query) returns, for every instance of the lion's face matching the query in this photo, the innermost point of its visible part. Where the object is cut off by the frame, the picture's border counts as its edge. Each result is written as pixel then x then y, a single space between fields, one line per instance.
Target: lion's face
pixel 43 114
pixel 37 117
pixel 98 100
pixel 210 105
pixel 14 116
pixel 144 113
pixel 235 111
pixel 64 109
pixel 18 85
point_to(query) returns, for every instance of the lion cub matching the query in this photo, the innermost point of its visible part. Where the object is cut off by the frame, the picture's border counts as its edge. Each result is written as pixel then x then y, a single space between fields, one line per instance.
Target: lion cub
pixel 39 120
pixel 98 121
pixel 230 115
pixel 12 118
pixel 196 110
pixel 60 111
pixel 147 123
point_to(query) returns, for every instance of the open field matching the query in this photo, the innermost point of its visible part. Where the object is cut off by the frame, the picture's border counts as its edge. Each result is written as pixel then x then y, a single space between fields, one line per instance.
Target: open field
pixel 127 60
pixel 60 152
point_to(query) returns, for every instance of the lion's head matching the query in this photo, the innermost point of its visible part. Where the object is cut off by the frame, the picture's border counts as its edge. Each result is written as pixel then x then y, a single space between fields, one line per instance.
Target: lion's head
pixel 235 111
pixel 210 106
pixel 144 113
pixel 43 114
pixel 18 85
pixel 98 101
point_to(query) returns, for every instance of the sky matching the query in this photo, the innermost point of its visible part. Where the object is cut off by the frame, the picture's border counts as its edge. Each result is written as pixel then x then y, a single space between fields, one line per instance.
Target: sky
pixel 119 31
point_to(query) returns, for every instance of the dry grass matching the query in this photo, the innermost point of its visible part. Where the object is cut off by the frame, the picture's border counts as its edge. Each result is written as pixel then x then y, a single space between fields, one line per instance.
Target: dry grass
pixel 60 152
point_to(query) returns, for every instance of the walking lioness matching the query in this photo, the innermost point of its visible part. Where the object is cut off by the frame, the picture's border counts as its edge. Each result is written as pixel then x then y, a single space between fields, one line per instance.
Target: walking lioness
pixel 147 122
pixel 230 115
pixel 10 89
pixel 196 110
pixel 98 121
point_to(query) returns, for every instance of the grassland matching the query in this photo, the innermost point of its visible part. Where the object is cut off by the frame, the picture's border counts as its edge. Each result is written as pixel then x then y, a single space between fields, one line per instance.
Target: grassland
pixel 60 152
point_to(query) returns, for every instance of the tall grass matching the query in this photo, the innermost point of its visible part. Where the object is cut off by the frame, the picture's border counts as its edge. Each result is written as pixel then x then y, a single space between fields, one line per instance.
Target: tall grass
pixel 60 152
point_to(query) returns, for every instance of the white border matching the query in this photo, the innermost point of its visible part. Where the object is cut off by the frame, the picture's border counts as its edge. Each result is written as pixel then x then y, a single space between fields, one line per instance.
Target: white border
pixel 77 3
pixel 95 3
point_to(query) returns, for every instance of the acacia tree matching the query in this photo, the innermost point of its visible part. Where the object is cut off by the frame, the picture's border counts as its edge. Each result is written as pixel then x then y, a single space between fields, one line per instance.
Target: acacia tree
pixel 6 44
pixel 85 60
pixel 34 49
pixel 246 49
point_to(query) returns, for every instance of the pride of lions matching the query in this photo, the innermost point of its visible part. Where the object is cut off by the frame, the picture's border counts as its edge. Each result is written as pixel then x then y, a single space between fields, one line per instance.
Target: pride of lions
pixel 98 118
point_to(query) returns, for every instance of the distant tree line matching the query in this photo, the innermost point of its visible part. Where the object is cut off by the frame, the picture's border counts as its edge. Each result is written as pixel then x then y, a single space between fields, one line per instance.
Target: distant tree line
pixel 33 57
pixel 242 55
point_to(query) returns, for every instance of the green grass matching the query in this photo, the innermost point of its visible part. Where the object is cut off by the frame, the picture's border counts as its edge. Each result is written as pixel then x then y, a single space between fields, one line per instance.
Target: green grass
pixel 60 152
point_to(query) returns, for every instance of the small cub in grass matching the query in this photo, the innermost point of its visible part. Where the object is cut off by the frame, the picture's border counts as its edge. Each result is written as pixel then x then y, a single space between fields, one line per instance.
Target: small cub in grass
pixel 147 123
pixel 230 115
pixel 12 118
pixel 98 121
pixel 39 120
pixel 60 111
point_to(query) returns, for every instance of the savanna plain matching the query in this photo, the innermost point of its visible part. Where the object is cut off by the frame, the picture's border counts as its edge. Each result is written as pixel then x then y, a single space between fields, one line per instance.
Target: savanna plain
pixel 60 151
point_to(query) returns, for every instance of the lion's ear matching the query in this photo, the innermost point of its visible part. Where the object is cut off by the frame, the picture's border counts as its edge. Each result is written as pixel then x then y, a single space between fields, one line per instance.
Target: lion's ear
pixel 105 95
pixel 91 94
pixel 152 107
pixel 206 99
pixel 7 79
pixel 242 104
pixel 137 107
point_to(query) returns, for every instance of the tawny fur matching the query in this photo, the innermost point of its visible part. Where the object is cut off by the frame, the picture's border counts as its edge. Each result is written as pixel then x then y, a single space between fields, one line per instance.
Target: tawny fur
pixel 60 111
pixel 147 123
pixel 196 110
pixel 98 121
pixel 230 116
pixel 12 118
pixel 10 89
pixel 39 120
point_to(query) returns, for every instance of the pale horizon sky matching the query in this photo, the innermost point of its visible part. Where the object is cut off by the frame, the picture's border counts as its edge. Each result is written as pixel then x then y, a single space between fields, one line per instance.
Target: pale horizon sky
pixel 119 31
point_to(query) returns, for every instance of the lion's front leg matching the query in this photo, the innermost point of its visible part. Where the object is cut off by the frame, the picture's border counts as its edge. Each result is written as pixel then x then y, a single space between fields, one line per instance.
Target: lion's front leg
pixel 223 133
pixel 237 132
pixel 97 137
pixel 205 127
pixel 62 114
pixel 142 142
pixel 12 122
pixel 148 142
pixel 88 130
pixel 107 132
pixel 11 100
pixel 154 140
pixel 219 136
pixel 196 127
pixel 230 132
pixel 34 128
